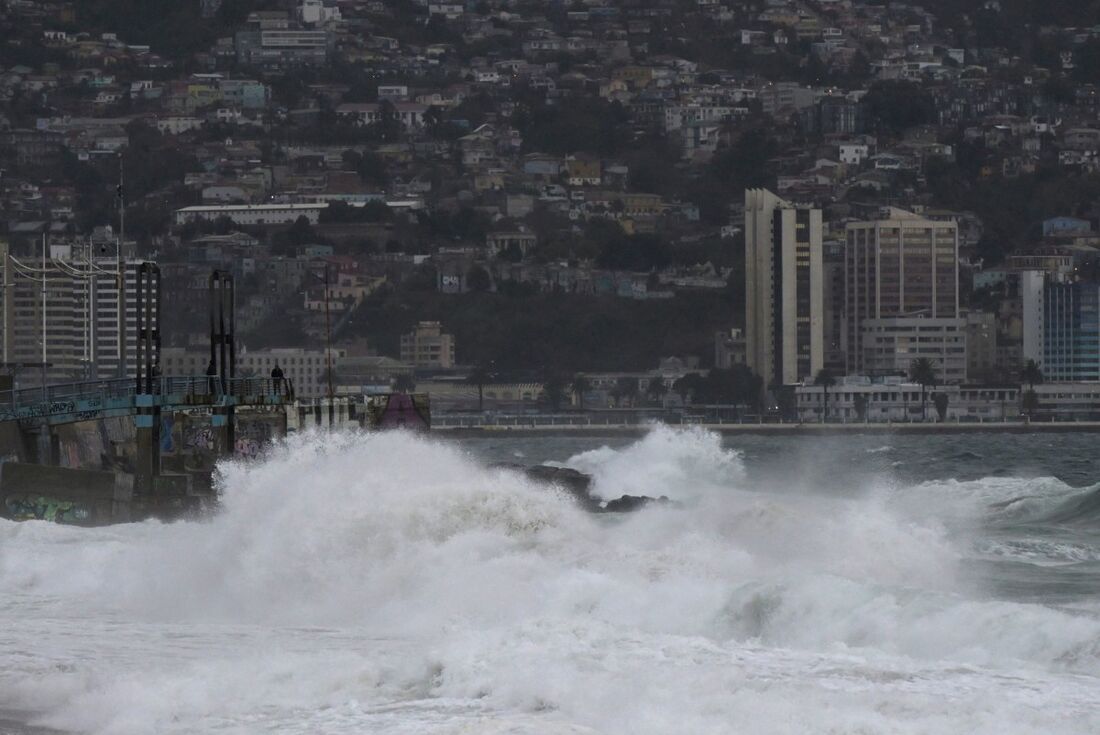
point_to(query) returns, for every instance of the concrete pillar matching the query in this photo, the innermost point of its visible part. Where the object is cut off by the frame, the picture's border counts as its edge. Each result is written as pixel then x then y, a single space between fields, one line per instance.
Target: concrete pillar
pixel 147 441
pixel 222 420
pixel 55 447
pixel 43 447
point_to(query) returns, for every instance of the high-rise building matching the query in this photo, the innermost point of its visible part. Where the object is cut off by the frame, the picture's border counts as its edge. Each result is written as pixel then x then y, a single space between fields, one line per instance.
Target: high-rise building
pixel 1071 332
pixel 784 294
pixel 1032 301
pixel 70 322
pixel 833 285
pixel 900 266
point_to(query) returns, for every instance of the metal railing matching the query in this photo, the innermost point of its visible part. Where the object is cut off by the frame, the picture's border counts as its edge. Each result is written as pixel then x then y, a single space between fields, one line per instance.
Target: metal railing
pixel 212 385
pixel 195 386
pixel 61 392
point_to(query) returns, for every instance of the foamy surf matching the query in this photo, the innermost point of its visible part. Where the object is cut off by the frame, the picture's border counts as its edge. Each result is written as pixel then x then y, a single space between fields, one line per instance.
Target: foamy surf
pixel 391 584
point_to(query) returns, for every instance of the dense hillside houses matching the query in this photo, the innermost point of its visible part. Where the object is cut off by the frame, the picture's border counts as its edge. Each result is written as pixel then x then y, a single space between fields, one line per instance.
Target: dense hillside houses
pixel 584 164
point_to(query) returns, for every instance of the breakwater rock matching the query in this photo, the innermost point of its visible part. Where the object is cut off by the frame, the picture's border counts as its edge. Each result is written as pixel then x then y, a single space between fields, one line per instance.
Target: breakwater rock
pixel 579 486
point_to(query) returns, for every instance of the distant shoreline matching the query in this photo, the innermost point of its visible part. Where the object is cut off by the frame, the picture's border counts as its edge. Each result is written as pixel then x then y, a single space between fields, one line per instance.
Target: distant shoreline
pixel 1009 427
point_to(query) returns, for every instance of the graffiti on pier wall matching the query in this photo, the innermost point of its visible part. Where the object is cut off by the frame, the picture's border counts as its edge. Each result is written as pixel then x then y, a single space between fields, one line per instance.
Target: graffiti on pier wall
pixel 83 444
pixel 200 438
pixel 45 508
pixel 167 439
pixel 196 445
pixel 253 434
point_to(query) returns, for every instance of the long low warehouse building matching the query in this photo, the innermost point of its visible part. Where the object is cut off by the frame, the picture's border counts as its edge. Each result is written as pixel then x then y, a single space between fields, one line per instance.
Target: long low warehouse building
pixel 252 214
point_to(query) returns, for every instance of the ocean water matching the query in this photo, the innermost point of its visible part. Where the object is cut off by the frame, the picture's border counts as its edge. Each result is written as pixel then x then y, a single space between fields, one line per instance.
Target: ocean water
pixel 389 583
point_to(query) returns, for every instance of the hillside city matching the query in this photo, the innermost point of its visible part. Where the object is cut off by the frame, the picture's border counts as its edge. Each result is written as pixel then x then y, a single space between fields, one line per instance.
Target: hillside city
pixel 823 210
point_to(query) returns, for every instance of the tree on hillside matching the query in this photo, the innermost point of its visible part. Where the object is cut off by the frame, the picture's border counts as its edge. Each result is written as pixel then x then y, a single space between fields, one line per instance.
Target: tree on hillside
pixel 586 124
pixel 744 164
pixel 895 106
pixel 478 279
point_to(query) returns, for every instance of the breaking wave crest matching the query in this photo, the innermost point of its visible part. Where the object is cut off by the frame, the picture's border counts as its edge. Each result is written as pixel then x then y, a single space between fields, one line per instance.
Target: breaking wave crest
pixel 390 583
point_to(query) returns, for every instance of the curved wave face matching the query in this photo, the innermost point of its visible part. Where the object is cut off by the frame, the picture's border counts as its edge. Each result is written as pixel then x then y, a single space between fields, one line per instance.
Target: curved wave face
pixel 388 583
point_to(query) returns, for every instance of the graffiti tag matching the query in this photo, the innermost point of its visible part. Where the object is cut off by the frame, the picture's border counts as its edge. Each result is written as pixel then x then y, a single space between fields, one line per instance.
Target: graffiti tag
pixel 44 508
pixel 201 438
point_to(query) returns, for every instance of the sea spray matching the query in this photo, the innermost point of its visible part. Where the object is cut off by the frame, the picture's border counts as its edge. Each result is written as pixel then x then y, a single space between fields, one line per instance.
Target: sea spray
pixel 391 583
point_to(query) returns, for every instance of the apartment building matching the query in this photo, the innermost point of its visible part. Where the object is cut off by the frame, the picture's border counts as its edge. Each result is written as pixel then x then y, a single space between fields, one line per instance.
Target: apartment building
pixel 784 291
pixel 900 266
pixel 428 346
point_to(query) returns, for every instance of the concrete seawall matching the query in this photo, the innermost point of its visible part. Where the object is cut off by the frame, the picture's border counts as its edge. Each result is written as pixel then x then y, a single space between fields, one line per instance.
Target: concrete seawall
pixel 64 494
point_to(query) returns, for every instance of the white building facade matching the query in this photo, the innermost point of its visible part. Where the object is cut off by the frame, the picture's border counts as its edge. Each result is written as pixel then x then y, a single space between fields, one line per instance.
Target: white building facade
pixel 784 290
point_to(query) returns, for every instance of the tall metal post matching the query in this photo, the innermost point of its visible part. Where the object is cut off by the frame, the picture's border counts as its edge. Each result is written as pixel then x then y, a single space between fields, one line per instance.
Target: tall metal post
pixel 328 343
pixel 231 307
pixel 148 418
pixel 223 355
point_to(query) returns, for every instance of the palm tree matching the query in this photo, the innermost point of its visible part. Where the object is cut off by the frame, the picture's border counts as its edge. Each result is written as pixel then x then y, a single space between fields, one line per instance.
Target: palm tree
pixel 626 387
pixel 554 390
pixel 656 390
pixel 1031 374
pixel 580 386
pixel 682 388
pixel 826 380
pixel 861 406
pixel 923 371
pixel 479 376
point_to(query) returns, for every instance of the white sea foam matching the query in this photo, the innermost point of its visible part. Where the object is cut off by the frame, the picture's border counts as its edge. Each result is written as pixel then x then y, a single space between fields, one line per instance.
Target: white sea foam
pixel 386 583
pixel 680 464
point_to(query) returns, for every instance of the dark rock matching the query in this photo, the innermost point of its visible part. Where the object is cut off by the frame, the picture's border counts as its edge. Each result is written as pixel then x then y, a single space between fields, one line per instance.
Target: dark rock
pixel 579 486
pixel 629 503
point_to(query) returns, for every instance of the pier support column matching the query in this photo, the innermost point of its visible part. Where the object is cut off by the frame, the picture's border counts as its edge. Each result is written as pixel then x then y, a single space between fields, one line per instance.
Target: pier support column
pixel 44 447
pixel 147 455
pixel 222 421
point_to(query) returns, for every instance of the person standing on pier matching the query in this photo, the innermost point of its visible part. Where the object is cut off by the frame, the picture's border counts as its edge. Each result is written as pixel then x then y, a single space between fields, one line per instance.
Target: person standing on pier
pixel 212 377
pixel 277 379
